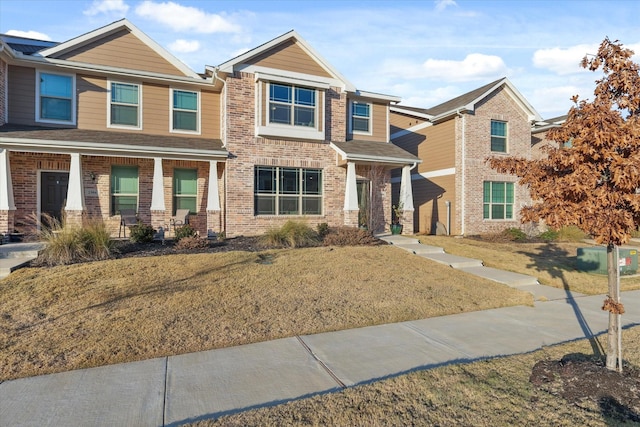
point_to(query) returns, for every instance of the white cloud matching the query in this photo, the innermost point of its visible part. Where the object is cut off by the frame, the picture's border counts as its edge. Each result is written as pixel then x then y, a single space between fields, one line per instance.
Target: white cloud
pixel 474 66
pixel 184 46
pixel 553 101
pixel 443 4
pixel 185 18
pixel 117 7
pixel 563 61
pixel 29 34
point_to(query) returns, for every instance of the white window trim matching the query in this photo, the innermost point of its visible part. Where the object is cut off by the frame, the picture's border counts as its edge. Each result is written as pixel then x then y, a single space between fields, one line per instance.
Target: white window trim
pixel 277 195
pixel 513 205
pixel 198 113
pixel 359 132
pixel 117 126
pixel 289 131
pixel 506 136
pixel 38 119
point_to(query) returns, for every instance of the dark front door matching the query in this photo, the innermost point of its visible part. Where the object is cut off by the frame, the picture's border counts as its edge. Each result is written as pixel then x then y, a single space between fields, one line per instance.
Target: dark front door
pixel 53 194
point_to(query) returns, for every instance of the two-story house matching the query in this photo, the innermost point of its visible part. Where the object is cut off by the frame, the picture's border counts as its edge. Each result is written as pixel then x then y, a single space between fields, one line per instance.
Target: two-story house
pixel 454 187
pixel 110 120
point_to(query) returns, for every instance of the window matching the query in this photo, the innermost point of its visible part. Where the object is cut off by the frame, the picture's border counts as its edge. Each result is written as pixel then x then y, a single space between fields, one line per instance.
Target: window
pixel 124 105
pixel 287 191
pixel 291 105
pixel 185 189
pixel 360 117
pixel 498 200
pixel 498 136
pixel 124 188
pixel 184 111
pixel 56 100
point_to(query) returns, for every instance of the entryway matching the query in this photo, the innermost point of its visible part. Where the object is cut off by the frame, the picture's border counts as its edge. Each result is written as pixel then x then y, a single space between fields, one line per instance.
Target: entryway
pixel 53 194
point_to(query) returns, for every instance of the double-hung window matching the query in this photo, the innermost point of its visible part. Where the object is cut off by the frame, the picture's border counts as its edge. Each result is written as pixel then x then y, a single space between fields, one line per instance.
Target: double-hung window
pixel 185 189
pixel 185 111
pixel 360 117
pixel 498 200
pixel 124 105
pixel 292 105
pixel 287 191
pixel 55 98
pixel 124 188
pixel 498 136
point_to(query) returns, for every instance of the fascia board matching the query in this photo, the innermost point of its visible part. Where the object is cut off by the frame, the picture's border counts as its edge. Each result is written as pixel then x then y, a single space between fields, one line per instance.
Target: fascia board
pixel 111 150
pixel 111 28
pixel 368 158
pixel 262 73
pixel 399 109
pixel 373 95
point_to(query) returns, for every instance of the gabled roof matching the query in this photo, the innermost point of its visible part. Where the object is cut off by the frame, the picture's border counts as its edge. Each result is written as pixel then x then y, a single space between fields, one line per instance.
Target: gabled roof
pixel 26 45
pixel 374 152
pixel 547 124
pixel 469 100
pixel 230 65
pixel 116 26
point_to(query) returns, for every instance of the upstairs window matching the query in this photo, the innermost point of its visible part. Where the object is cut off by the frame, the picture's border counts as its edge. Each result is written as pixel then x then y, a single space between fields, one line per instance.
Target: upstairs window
pixel 185 190
pixel 498 200
pixel 124 188
pixel 124 105
pixel 360 117
pixel 498 136
pixel 287 191
pixel 292 105
pixel 56 100
pixel 185 109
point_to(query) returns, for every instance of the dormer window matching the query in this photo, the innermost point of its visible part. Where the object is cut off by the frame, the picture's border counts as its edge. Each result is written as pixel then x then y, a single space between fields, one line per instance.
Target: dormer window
pixel 360 117
pixel 55 100
pixel 292 105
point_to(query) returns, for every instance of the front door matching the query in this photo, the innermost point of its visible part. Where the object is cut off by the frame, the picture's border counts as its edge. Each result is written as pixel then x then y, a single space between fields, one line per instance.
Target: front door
pixel 53 195
pixel 364 205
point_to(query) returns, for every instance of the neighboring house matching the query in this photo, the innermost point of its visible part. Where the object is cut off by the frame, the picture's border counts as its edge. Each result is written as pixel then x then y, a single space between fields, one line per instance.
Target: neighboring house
pixel 110 121
pixel 539 136
pixel 454 187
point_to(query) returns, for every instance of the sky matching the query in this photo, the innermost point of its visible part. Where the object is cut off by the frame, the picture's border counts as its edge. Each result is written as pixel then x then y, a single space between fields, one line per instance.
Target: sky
pixel 424 51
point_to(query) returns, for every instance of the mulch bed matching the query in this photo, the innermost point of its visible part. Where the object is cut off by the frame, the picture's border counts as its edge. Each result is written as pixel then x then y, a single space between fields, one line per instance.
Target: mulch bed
pixel 585 381
pixel 127 249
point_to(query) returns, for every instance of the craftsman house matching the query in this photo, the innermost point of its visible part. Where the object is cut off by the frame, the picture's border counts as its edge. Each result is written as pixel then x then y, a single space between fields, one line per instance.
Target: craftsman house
pixel 454 190
pixel 110 121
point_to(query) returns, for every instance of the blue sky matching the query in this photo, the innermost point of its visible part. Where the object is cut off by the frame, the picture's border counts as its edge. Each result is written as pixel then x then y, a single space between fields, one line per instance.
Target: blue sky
pixel 423 51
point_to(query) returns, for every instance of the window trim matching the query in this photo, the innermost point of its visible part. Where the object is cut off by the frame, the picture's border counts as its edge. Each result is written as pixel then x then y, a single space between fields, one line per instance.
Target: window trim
pixel 505 137
pixel 369 118
pixel 112 194
pixel 38 112
pixel 277 193
pixel 175 196
pixel 139 105
pixel 490 203
pixel 198 112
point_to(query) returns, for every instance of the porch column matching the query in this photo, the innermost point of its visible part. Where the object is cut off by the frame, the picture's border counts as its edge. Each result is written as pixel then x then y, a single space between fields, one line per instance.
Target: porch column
pixel 75 193
pixel 213 201
pixel 7 205
pixel 351 207
pixel 406 200
pixel 157 195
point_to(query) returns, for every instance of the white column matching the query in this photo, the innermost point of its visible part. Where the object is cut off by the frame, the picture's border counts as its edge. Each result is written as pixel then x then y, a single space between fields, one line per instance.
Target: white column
pixel 213 197
pixel 6 187
pixel 75 193
pixel 351 190
pixel 406 192
pixel 157 193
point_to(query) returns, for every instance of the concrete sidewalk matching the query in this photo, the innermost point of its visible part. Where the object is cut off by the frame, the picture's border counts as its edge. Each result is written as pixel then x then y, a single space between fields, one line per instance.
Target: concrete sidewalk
pixel 179 389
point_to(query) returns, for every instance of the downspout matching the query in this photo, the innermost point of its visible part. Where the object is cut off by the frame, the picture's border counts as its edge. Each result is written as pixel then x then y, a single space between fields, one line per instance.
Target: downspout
pixel 223 212
pixel 224 106
pixel 464 167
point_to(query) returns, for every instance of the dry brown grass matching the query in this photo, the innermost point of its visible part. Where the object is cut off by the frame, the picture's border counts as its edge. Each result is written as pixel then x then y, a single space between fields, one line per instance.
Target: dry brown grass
pixel 493 392
pixel 554 264
pixel 105 312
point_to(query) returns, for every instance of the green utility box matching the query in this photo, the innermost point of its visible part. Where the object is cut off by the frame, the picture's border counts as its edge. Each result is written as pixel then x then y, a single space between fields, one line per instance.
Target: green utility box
pixel 594 260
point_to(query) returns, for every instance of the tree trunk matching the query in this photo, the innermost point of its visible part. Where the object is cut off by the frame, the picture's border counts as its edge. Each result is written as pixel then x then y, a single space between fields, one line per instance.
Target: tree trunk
pixel 613 271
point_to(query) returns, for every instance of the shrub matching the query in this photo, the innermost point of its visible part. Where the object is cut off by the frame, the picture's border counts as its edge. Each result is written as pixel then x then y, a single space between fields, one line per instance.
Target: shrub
pixel 571 233
pixel 292 234
pixel 190 243
pixel 322 229
pixel 349 236
pixel 184 231
pixel 515 234
pixel 97 240
pixel 141 233
pixel 549 235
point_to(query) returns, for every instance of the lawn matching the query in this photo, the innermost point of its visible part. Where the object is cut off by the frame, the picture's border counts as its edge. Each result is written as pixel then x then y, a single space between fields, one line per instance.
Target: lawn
pixel 91 314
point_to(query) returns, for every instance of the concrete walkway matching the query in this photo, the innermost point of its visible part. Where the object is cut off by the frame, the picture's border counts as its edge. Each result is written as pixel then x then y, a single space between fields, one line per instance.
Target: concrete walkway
pixel 179 389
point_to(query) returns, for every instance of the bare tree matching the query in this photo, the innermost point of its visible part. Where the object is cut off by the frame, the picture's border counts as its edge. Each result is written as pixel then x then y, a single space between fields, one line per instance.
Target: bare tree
pixel 591 178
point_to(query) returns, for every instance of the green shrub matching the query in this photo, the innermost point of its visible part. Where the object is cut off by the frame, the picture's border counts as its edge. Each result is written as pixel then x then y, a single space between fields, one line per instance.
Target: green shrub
pixel 549 235
pixel 292 234
pixel 191 242
pixel 97 240
pixel 322 229
pixel 184 231
pixel 515 234
pixel 141 233
pixel 349 236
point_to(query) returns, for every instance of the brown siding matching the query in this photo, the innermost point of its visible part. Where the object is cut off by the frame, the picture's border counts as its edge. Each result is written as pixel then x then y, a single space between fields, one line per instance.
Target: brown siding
pixel 435 145
pixel 210 115
pixel 22 95
pixel 92 102
pixel 291 57
pixel 122 49
pixel 402 121
pixel 430 197
pixel 379 123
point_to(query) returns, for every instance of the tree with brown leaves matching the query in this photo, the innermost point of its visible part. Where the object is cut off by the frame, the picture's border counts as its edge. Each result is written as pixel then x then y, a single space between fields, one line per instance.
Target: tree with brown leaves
pixel 591 179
